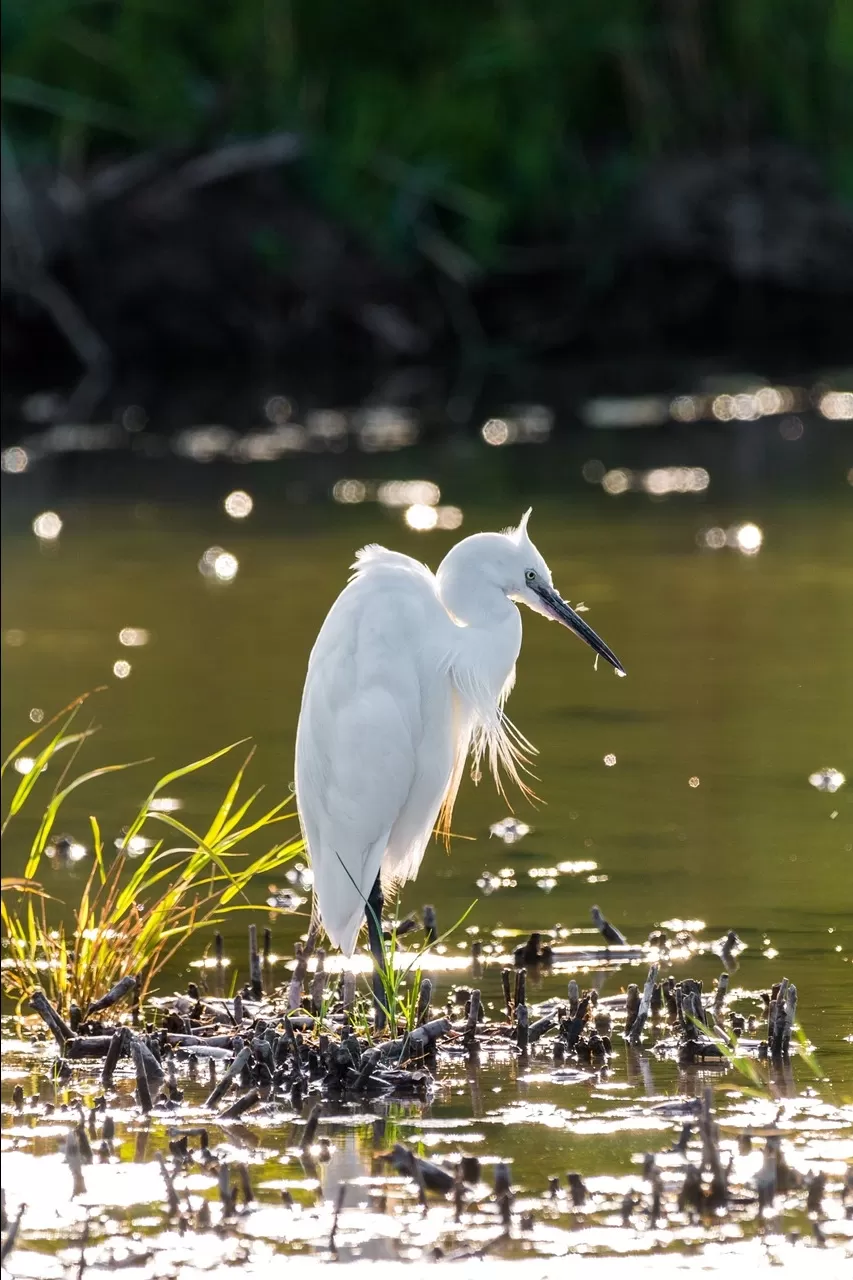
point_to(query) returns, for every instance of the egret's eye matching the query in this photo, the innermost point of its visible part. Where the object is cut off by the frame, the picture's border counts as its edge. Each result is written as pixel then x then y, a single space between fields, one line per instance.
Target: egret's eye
pixel 530 575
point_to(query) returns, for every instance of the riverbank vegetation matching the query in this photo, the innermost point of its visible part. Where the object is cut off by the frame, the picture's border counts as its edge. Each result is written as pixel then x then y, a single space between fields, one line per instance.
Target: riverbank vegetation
pixel 271 177
pixel 141 900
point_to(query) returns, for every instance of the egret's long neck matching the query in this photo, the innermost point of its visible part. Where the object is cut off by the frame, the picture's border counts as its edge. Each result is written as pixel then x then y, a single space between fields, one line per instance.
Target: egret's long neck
pixel 482 669
pixel 489 641
pixel 470 596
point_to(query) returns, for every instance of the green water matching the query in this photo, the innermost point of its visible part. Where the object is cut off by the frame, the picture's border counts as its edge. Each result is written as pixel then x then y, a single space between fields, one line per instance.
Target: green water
pixel 738 667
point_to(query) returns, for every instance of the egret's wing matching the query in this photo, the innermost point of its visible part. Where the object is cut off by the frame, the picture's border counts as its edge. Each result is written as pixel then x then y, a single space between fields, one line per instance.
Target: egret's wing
pixel 360 731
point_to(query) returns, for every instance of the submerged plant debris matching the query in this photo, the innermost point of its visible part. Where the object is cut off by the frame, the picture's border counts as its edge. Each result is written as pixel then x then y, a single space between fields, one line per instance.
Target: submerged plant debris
pixel 204 1130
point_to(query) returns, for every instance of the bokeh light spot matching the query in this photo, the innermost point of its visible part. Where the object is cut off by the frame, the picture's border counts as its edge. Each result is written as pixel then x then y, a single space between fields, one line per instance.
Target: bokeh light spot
pixel 225 566
pixel 133 637
pixel 496 431
pixel 349 491
pixel 219 564
pixel 791 428
pixel 837 405
pixel 616 481
pixel 448 517
pixel 239 504
pixel 747 538
pixel 593 471
pixel 47 526
pixel 407 493
pixel 14 461
pixel 421 517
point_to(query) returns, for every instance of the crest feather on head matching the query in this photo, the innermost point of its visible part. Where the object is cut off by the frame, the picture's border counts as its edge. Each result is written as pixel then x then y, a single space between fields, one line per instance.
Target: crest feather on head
pixel 519 533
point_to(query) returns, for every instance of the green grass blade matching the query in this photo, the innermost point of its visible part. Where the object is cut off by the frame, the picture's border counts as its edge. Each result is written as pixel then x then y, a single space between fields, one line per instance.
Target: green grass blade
pixel 191 835
pixel 273 815
pixel 427 946
pixel 224 810
pixel 276 857
pixel 239 813
pixel 806 1052
pixel 20 885
pixel 69 711
pixel 49 816
pixel 28 781
pixel 738 1061
pixel 97 847
pixel 168 778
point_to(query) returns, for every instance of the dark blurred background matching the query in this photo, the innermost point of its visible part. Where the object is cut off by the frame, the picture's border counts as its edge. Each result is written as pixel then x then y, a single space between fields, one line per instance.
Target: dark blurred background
pixel 227 185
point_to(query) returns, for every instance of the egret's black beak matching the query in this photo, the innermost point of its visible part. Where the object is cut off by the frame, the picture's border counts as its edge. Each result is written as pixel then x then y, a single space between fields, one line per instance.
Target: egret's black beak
pixel 557 608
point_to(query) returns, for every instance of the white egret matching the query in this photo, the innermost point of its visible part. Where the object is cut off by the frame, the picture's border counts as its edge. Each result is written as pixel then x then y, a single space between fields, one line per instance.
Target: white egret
pixel 408 676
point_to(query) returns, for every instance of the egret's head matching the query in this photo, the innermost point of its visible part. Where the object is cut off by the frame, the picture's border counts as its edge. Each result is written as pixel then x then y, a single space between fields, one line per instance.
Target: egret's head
pixel 510 562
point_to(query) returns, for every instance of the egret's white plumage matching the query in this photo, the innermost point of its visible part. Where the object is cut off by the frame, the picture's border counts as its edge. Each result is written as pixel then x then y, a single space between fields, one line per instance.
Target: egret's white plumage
pixel 409 674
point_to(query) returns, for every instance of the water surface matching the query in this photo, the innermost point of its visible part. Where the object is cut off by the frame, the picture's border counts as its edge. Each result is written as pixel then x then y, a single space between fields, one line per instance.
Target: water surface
pixel 738 690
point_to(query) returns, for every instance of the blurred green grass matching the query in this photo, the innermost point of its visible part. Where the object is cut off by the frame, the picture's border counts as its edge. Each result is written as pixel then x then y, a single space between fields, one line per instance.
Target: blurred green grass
pixel 503 120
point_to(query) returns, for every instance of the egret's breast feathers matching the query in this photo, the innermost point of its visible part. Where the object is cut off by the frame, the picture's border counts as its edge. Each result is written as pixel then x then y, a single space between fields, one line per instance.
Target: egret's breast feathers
pixel 491 732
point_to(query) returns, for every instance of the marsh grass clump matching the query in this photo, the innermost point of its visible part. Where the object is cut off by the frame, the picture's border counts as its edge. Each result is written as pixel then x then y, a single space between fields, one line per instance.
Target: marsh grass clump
pixel 401 976
pixel 134 912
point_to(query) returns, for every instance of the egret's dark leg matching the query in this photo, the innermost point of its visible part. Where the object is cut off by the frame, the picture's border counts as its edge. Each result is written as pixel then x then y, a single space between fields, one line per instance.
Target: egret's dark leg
pixel 375 905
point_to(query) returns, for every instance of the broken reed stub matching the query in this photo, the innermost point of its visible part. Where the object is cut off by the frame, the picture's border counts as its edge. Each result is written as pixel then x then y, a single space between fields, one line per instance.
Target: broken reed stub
pixel 348 990
pixel 503 1192
pixel 75 1163
pixel 124 987
pixel 574 996
pixel 505 984
pixel 241 1106
pixel 143 1089
pixel 607 930
pixel 522 1028
pixel 473 1019
pixel 430 925
pixel 424 997
pixel 632 1005
pixel 636 1031
pixel 255 981
pixel 309 1133
pixel 153 1069
pixel 781 1015
pixel 241 1060
pixel 540 1028
pixel 417 1042
pixel 62 1033
pixel 426 1173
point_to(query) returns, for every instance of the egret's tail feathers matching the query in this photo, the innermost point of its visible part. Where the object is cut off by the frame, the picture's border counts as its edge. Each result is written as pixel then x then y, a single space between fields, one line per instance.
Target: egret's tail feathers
pixel 347 936
pixel 342 884
pixel 342 930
